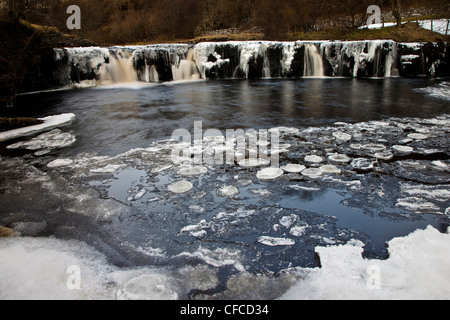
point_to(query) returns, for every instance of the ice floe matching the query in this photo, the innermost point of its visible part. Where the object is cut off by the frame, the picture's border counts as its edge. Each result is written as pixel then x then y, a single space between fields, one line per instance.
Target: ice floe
pixel 416 269
pixel 49 123
pixel 269 174
pixel 180 187
pixel 275 242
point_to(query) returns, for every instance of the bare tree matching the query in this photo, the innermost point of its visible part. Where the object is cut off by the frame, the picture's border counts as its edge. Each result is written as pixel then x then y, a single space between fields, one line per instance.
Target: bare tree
pixel 397 11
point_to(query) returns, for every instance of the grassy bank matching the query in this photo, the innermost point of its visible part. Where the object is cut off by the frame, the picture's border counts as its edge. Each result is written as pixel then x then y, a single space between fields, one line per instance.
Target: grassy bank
pixel 7 124
pixel 409 32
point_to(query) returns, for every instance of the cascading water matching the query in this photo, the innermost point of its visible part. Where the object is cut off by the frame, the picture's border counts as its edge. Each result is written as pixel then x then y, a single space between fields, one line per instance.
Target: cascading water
pixel 187 69
pixel 119 69
pixel 251 59
pixel 313 62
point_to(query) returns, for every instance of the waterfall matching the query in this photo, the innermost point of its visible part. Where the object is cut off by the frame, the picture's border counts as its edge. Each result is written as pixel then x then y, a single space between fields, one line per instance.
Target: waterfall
pixel 313 62
pixel 248 59
pixel 187 69
pixel 266 68
pixel 119 69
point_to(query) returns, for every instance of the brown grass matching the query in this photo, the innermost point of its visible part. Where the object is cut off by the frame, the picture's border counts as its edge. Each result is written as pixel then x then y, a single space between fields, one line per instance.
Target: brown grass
pixel 7 124
pixel 409 32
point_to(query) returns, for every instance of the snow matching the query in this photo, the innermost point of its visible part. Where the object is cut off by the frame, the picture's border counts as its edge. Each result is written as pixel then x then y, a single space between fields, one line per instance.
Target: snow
pixel 439 25
pixel 49 123
pixel 416 269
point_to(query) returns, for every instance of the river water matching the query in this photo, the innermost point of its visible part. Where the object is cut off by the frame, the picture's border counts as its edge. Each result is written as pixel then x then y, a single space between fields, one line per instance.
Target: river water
pixel 112 194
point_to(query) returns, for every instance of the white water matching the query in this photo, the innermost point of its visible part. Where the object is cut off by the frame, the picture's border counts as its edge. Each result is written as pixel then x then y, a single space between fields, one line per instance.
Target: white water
pixel 313 62
pixel 152 64
pixel 187 69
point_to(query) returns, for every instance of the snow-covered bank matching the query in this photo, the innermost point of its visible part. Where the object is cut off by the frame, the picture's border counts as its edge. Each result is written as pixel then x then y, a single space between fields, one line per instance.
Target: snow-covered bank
pixel 49 123
pixel 417 268
pixel 437 25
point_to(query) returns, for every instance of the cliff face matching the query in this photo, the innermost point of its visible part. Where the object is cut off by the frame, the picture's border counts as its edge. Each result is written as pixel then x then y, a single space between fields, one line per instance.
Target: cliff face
pixel 27 57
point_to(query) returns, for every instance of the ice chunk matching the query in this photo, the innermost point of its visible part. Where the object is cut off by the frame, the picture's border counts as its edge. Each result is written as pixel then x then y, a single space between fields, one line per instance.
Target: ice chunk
pixel 417 136
pixel 330 169
pixel 227 191
pixel 340 158
pixel 49 123
pixel 180 187
pixel 342 136
pixel 275 242
pixel 363 164
pixel 312 172
pixel 417 204
pixel 147 287
pixel 294 168
pixel 403 149
pixel 298 231
pixel 60 163
pixel 374 147
pixel 313 159
pixel 192 171
pixel 269 174
pixel 288 221
pixel 250 163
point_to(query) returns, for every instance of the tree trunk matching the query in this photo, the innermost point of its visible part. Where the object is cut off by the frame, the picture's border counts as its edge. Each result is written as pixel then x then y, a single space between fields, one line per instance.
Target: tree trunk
pixel 397 11
pixel 16 8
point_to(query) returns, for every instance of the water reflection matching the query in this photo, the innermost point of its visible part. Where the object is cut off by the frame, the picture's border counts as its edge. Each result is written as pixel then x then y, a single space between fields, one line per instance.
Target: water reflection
pixel 114 120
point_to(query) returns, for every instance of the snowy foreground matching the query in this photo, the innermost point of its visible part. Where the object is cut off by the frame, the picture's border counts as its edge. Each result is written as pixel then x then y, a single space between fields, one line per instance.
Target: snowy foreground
pixel 175 228
pixel 416 269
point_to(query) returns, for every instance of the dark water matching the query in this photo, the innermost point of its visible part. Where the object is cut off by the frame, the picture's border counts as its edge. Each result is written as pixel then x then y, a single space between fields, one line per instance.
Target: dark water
pixel 111 121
